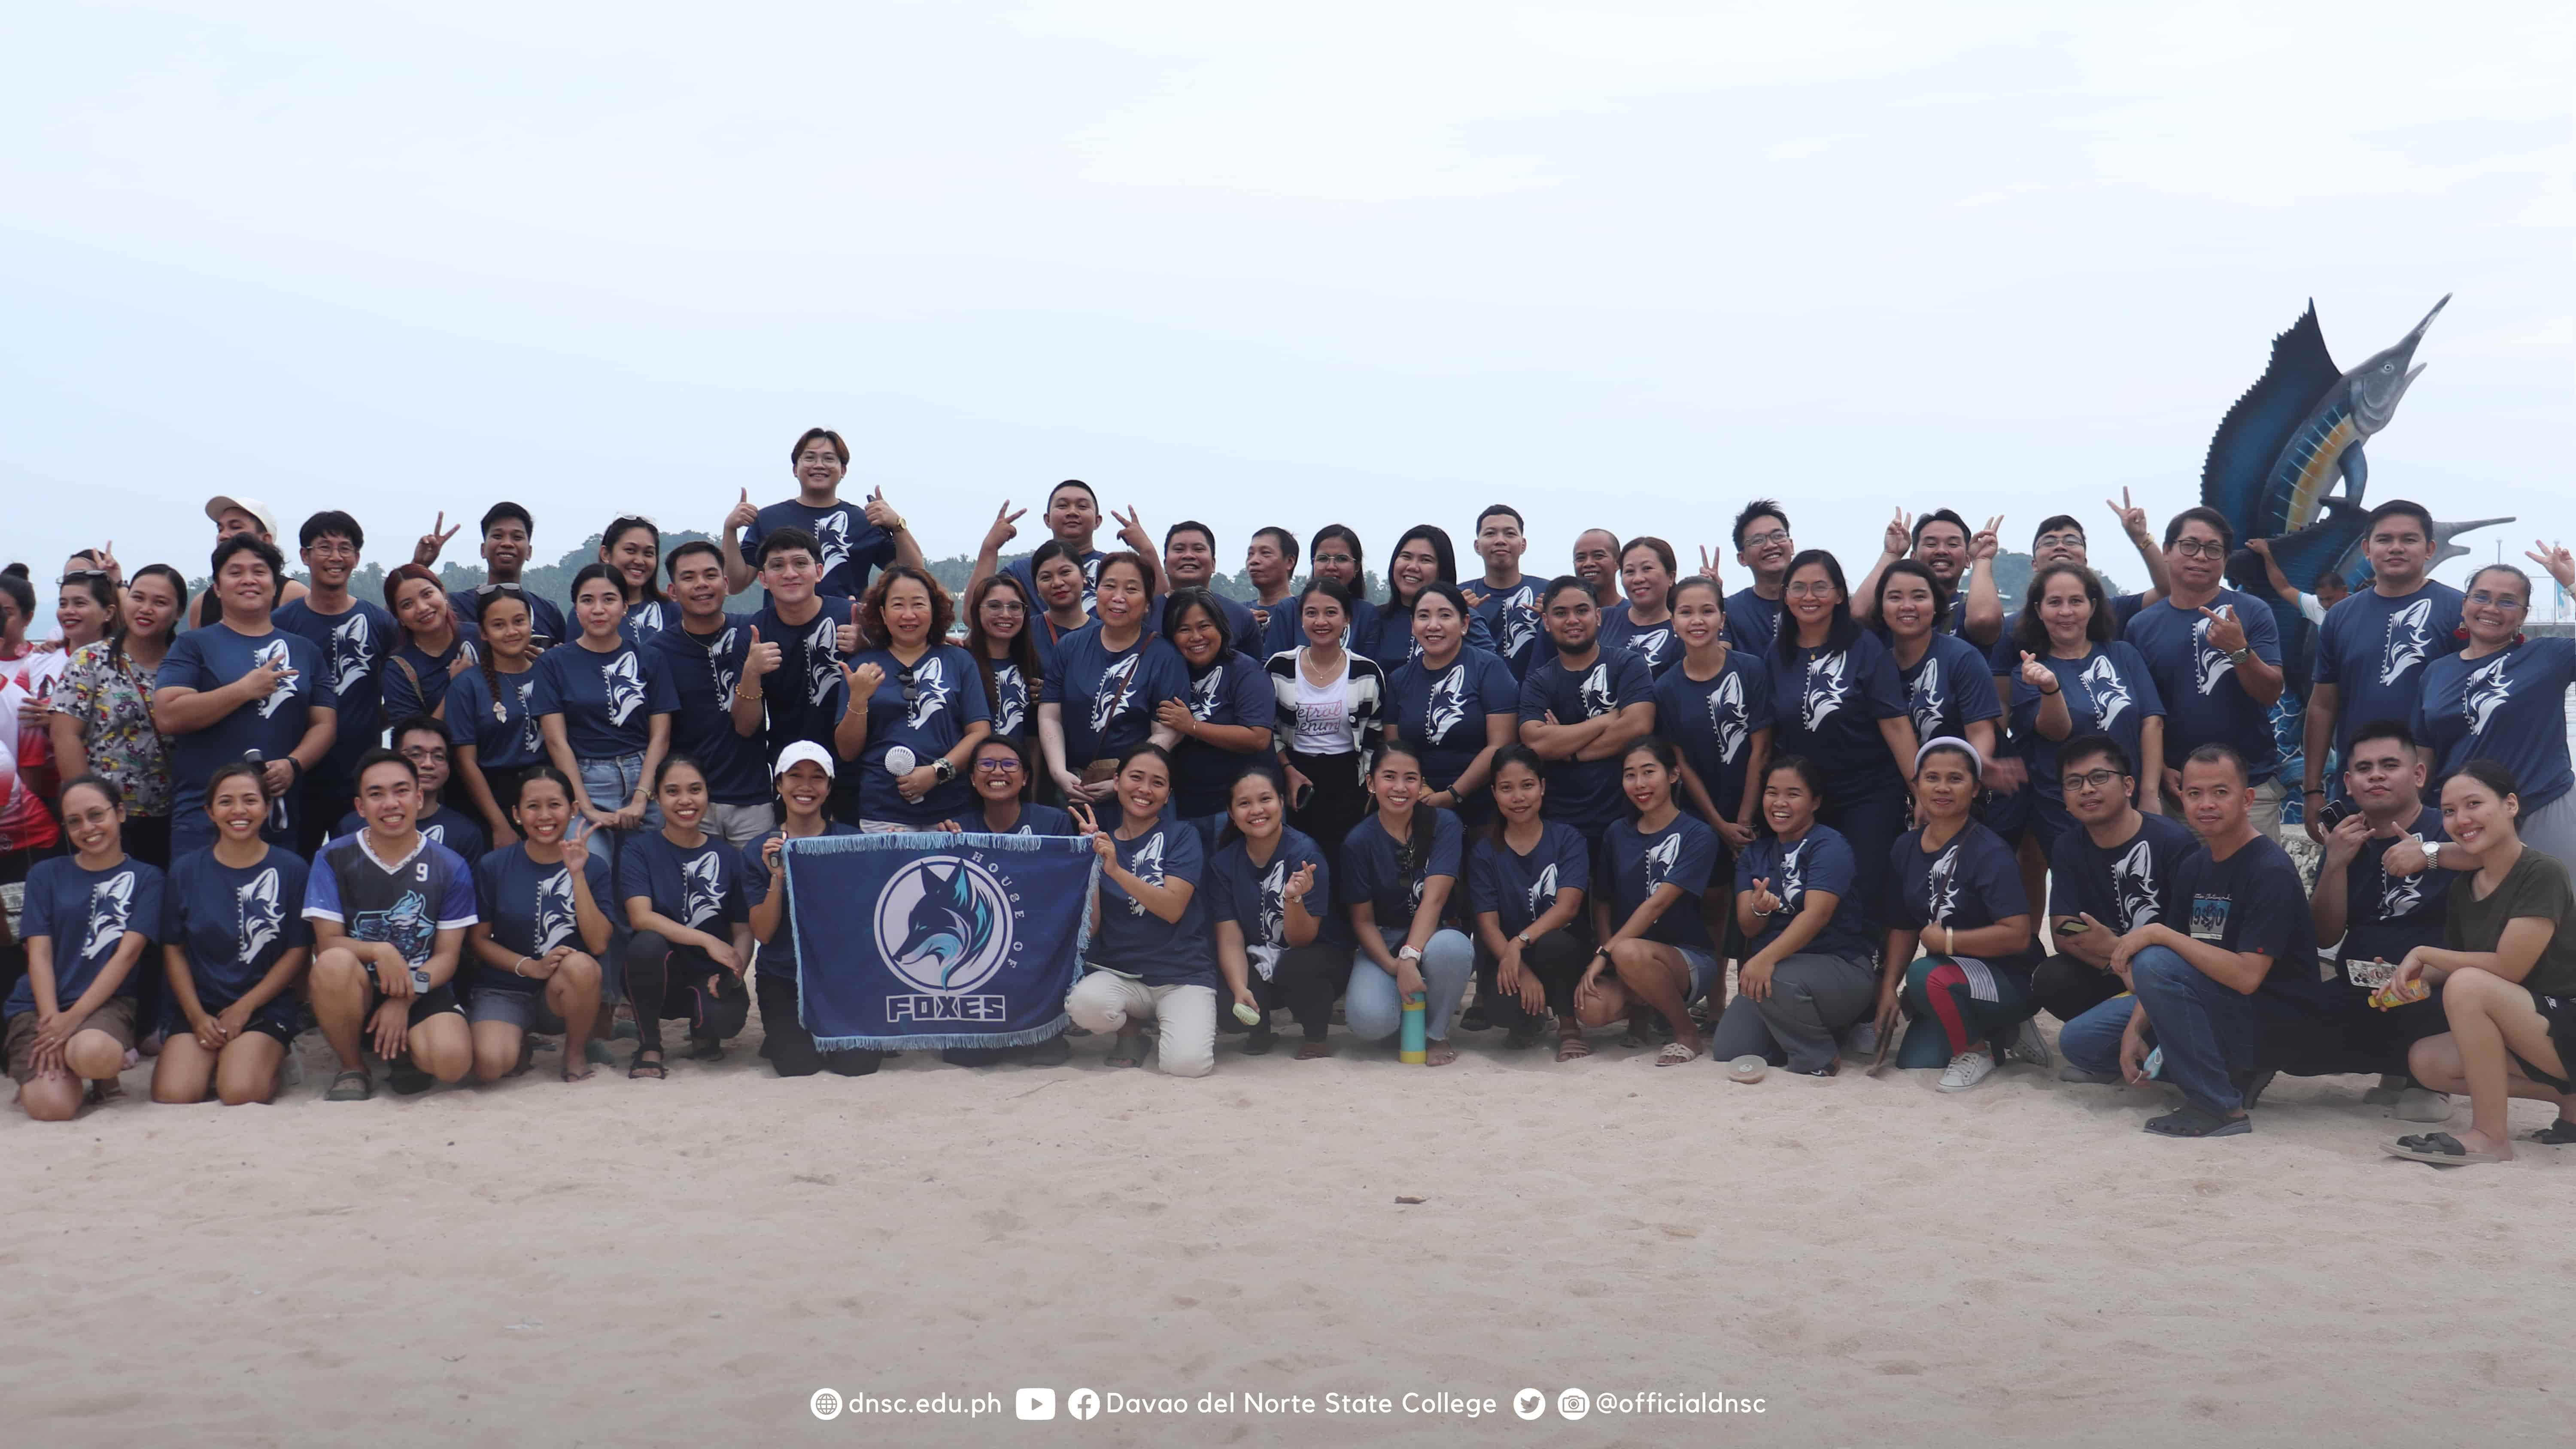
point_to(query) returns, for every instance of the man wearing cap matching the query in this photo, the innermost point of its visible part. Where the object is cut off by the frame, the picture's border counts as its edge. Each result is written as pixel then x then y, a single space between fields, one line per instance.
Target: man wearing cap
pixel 234 514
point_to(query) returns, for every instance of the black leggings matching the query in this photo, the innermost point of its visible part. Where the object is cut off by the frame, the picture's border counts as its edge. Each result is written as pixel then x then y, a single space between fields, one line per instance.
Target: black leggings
pixel 1557 959
pixel 1870 818
pixel 786 1042
pixel 1339 804
pixel 2066 988
pixel 1305 981
pixel 664 980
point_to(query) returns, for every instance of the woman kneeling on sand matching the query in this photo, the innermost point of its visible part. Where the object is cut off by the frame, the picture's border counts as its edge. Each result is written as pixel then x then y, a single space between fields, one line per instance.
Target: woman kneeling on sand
pixel 1270 895
pixel 544 904
pixel 1149 953
pixel 1812 972
pixel 2506 970
pixel 236 941
pixel 1654 947
pixel 1954 888
pixel 1398 868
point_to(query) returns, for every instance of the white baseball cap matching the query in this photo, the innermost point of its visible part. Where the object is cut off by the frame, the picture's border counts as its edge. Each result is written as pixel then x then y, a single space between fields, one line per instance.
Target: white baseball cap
pixel 216 506
pixel 805 751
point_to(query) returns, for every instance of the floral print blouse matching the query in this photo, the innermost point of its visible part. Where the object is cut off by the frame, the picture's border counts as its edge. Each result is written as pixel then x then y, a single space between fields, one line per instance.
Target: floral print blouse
pixel 114 708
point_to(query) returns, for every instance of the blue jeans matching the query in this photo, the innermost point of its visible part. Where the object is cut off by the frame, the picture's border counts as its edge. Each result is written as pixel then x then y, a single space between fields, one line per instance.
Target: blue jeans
pixel 2206 1030
pixel 1372 1009
pixel 608 782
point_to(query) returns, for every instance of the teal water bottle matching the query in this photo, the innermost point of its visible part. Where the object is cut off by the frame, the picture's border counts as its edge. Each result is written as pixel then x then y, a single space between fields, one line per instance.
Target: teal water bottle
pixel 1412 1044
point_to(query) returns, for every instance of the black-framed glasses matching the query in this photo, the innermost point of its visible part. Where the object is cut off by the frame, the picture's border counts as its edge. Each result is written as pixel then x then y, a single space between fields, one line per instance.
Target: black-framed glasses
pixel 1765 540
pixel 997 765
pixel 507 591
pixel 2092 780
pixel 2200 548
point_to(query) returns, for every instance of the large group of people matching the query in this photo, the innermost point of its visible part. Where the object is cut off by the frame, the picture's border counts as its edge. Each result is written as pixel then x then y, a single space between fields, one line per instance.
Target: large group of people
pixel 461 827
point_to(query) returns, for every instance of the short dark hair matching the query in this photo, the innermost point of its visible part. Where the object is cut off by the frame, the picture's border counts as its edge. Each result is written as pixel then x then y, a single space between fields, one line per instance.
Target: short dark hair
pixel 257 547
pixel 503 512
pixel 2214 519
pixel 2055 521
pixel 671 560
pixel 789 537
pixel 1073 483
pixel 1187 525
pixel 2220 755
pixel 2096 747
pixel 1285 541
pixel 2384 729
pixel 382 756
pixel 840 449
pixel 1560 584
pixel 327 522
pixel 1182 600
pixel 1505 510
pixel 1941 515
pixel 1758 508
pixel 1663 551
pixel 2395 507
pixel 414 722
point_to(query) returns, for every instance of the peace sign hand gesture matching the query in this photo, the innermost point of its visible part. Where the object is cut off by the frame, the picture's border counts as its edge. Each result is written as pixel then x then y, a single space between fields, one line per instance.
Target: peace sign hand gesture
pixel 1006 526
pixel 1708 570
pixel 2555 558
pixel 576 846
pixel 2133 519
pixel 1900 535
pixel 425 553
pixel 1131 531
pixel 1988 542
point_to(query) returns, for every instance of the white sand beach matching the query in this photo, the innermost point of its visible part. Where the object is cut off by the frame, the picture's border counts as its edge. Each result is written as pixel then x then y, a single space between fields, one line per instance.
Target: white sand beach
pixel 686 1262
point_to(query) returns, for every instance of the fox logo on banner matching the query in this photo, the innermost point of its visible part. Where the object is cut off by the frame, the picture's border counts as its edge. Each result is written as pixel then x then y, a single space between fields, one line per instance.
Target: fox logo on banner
pixel 918 941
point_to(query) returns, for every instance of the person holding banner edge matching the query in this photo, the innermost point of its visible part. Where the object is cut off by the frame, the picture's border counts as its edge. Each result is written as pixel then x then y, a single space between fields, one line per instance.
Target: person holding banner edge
pixel 1149 954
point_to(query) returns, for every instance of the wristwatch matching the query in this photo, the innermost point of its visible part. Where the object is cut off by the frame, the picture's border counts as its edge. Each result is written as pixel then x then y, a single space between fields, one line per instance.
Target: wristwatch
pixel 1408 953
pixel 2239 656
pixel 2432 852
pixel 942 770
pixel 1522 940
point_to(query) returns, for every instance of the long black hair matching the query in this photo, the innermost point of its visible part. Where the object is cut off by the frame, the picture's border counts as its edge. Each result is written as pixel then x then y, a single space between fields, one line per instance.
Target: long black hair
pixel 1446 567
pixel 1840 631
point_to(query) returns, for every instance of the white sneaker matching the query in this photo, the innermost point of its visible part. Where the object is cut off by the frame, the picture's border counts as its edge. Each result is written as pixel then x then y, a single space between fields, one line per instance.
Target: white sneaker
pixel 2419 1104
pixel 2029 1046
pixel 1966 1070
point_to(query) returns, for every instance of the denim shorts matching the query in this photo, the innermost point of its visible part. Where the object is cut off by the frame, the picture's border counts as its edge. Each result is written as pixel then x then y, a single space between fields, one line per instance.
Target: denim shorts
pixel 1705 970
pixel 526 1010
pixel 614 779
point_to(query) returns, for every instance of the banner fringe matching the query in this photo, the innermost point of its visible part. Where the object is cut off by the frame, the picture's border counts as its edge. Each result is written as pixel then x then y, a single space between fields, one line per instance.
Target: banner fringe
pixel 945 1040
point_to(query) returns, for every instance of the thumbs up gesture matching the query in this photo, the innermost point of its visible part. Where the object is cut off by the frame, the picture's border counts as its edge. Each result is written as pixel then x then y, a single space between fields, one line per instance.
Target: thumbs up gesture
pixel 760 658
pixel 743 515
pixel 845 637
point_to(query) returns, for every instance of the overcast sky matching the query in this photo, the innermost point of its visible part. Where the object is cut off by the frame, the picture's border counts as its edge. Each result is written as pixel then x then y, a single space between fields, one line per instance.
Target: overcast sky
pixel 1380 263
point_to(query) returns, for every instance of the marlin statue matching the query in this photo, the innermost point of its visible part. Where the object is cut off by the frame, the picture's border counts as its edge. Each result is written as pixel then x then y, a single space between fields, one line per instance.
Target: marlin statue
pixel 949 925
pixel 2287 462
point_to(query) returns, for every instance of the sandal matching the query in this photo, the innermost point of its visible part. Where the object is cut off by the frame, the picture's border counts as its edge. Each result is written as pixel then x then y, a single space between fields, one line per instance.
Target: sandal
pixel 1571 1047
pixel 1314 1051
pixel 642 1070
pixel 570 1075
pixel 2556 1134
pixel 353 1085
pixel 1439 1054
pixel 2438 1148
pixel 1676 1053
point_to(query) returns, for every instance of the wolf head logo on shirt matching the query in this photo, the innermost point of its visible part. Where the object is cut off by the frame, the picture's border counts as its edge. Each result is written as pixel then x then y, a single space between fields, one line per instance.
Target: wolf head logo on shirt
pixel 111 902
pixel 1110 699
pixel 832 534
pixel 1662 858
pixel 704 877
pixel 260 913
pixel 727 676
pixel 405 926
pixel 273 655
pixel 434 834
pixel 532 740
pixel 645 620
pixel 1726 716
pixel 1274 904
pixel 1825 689
pixel 929 692
pixel 1147 867
pixel 2410 638
pixel 1542 891
pixel 2400 895
pixel 1650 646
pixel 1203 692
pixel 2108 692
pixel 1943 884
pixel 1792 886
pixel 1519 618
pixel 1010 699
pixel 1930 701
pixel 555 915
pixel 1091 585
pixel 2485 692
pixel 822 667
pixel 353 650
pixel 1594 693
pixel 2133 885
pixel 623 685
pixel 2208 665
pixel 1446 709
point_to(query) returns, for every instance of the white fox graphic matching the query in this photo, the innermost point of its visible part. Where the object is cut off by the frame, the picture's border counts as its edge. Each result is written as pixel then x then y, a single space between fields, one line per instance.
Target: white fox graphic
pixel 1824 690
pixel 111 901
pixel 263 915
pixel 929 692
pixel 1147 867
pixel 623 686
pixel 1726 716
pixel 273 655
pixel 2410 638
pixel 2133 885
pixel 1109 700
pixel 705 877
pixel 1446 709
pixel 2104 687
pixel 2485 693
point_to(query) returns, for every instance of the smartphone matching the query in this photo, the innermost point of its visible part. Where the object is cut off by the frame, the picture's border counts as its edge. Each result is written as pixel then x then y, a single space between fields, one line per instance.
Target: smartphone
pixel 1304 794
pixel 2072 927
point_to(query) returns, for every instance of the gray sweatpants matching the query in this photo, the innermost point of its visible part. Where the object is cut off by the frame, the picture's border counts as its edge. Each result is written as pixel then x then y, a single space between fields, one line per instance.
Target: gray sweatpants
pixel 1813 1000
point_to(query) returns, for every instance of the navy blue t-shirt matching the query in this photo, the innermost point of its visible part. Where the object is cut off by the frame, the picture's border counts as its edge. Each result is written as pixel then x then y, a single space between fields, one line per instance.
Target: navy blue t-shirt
pixel 415 681
pixel 2509 707
pixel 927 710
pixel 1584 793
pixel 607 700
pixel 703 671
pixel 1752 621
pixel 1234 690
pixel 852 548
pixel 1948 689
pixel 1391 642
pixel 1819 860
pixel 1684 853
pixel 2254 901
pixel 2108 691
pixel 1109 697
pixel 1373 874
pixel 353 645
pixel 802 696
pixel 1828 704
pixel 647 619
pixel 86 914
pixel 209 658
pixel 699 886
pixel 1517 888
pixel 1441 714
pixel 1255 898
pixel 1018 568
pixel 2385 916
pixel 1656 644
pixel 777 955
pixel 233 924
pixel 1035 819
pixel 1510 617
pixel 452 828
pixel 2205 703
pixel 1132 940
pixel 532 908
pixel 2127 886
pixel 1972 880
pixel 545 618
pixel 1014 713
pixel 507 740
pixel 2373 651
pixel 1712 723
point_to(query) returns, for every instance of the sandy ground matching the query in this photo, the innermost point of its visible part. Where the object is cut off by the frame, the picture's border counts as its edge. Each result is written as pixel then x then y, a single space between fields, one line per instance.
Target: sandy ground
pixel 638 1263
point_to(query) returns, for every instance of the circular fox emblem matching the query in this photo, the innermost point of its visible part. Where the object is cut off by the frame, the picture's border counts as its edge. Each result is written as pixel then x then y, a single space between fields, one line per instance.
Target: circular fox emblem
pixel 944 923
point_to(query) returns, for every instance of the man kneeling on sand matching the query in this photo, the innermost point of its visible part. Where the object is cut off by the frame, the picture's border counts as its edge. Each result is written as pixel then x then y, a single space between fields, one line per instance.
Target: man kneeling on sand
pixel 389 909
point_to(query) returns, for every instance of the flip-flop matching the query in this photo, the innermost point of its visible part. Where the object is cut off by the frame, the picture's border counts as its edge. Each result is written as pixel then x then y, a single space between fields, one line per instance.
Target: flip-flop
pixel 1676 1053
pixel 2441 1149
pixel 2556 1134
pixel 1572 1048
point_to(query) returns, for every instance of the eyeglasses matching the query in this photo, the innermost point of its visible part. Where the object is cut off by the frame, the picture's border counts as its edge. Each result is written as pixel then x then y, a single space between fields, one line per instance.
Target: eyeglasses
pixel 510 591
pixel 2092 780
pixel 1817 588
pixel 1334 558
pixel 2200 548
pixel 1765 540
pixel 998 765
pixel 1004 606
pixel 2481 598
pixel 2058 540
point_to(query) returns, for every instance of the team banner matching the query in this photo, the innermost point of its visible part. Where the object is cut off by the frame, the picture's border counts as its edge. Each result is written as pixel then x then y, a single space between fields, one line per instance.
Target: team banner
pixel 932 940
